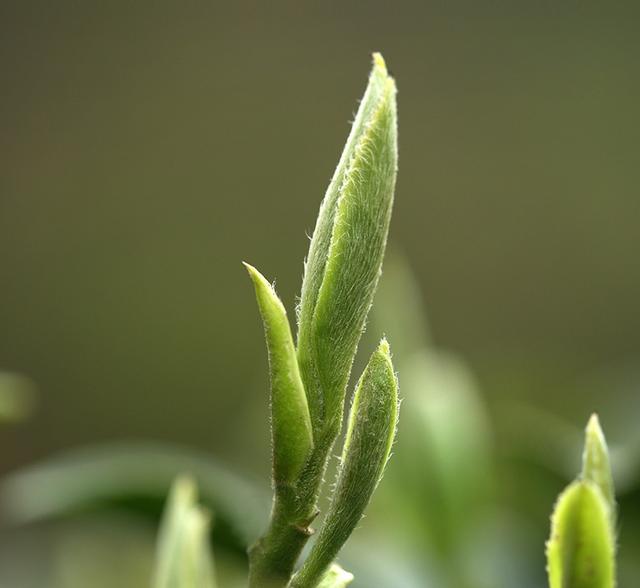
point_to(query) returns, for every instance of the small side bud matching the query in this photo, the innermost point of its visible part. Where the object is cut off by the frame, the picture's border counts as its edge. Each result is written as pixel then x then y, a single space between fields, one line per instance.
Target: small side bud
pixel 367 446
pixel 336 577
pixel 290 420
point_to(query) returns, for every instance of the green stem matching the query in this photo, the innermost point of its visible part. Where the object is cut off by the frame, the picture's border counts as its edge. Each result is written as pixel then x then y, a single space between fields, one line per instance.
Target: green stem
pixel 273 558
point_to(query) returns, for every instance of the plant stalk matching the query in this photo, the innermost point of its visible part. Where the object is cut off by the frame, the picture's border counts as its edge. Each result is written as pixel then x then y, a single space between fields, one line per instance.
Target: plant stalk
pixel 272 559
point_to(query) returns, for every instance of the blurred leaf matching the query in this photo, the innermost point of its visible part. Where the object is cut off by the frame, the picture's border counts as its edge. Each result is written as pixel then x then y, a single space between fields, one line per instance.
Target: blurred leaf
pixel 90 477
pixel 438 504
pixel 183 554
pixel 446 431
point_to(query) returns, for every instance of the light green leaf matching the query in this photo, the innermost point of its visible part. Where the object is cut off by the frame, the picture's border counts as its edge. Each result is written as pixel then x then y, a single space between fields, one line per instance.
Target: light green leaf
pixel 346 252
pixel 336 577
pixel 183 553
pixel 581 550
pixel 370 435
pixel 290 420
pixel 596 466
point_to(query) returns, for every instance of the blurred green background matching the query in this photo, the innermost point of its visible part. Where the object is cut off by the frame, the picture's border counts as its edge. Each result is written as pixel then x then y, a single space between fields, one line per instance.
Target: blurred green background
pixel 147 148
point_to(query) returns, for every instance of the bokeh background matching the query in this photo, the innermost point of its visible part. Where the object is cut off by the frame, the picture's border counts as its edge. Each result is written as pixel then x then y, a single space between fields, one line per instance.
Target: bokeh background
pixel 147 148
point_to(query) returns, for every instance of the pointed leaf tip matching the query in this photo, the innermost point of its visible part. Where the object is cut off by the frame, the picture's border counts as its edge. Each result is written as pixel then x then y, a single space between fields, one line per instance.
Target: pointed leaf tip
pixel 256 276
pixel 292 438
pixel 596 466
pixel 384 348
pixel 379 62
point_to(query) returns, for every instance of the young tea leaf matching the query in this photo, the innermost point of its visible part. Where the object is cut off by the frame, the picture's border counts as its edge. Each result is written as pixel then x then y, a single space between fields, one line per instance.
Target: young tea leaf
pixel 367 446
pixel 346 251
pixel 290 422
pixel 581 550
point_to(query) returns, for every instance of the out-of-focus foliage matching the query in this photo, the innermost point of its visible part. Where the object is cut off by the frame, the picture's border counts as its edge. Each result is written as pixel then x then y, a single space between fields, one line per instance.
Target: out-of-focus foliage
pixel 439 485
pixel 183 556
pixel 60 512
pixel 135 477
